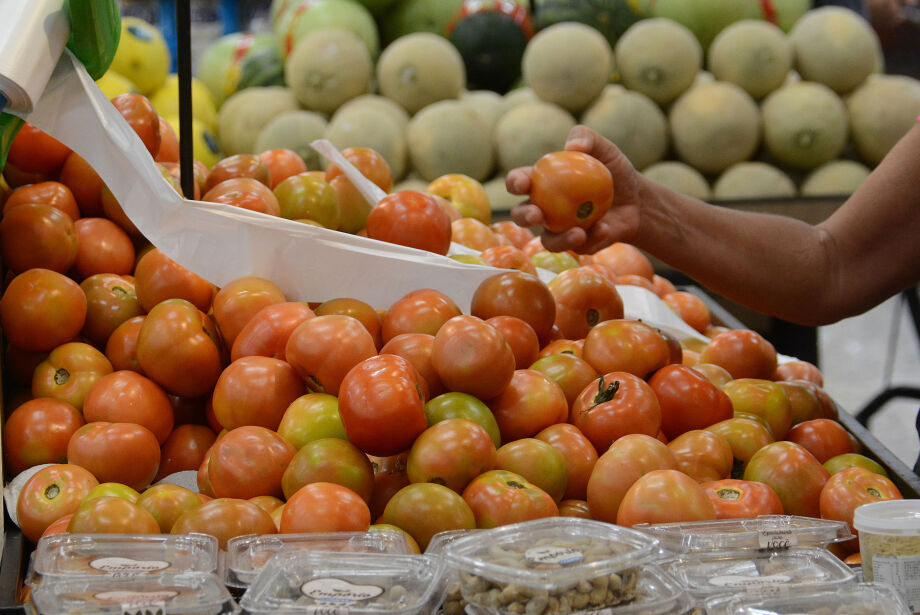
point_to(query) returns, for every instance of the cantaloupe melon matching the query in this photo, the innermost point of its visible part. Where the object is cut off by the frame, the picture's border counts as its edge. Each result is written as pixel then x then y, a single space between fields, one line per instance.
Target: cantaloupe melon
pixel 752 54
pixel 528 131
pixel 500 199
pixel 311 15
pixel 411 182
pixel 365 128
pixel 753 180
pixel 706 18
pixel 446 137
pixel 327 68
pixel 805 125
pixel 704 77
pixel 834 46
pixel 679 177
pixel 379 104
pixel 488 106
pixel 715 126
pixel 243 116
pixel 568 64
pixel 294 130
pixel 835 178
pixel 420 69
pixel 633 122
pixel 659 58
pixel 881 112
pixel 519 96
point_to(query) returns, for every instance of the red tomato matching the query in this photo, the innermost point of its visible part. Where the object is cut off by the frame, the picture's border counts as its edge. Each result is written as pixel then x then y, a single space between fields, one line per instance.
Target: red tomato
pixel 111 515
pixel 690 308
pixel 520 337
pixel 472 357
pixel 413 219
pixel 281 164
pixel 853 487
pixel 37 235
pixel 762 398
pixel 571 189
pixel 169 143
pixel 615 405
pixel 110 301
pixel 363 312
pixel 416 349
pixel 255 391
pixel 823 438
pixel 34 151
pixel 245 193
pixel 225 518
pixel 102 247
pixel 799 370
pixel 574 508
pixel 516 294
pixel 530 403
pixel 803 402
pixel 517 235
pixel 793 472
pixel 323 349
pixel 584 298
pixel 563 346
pixel 744 353
pixel 54 194
pixel 371 164
pixel 390 475
pixel 248 461
pixel 624 259
pixel 268 503
pixel 508 257
pixel 741 499
pixel 166 503
pixel 420 311
pixel 325 507
pixel 713 373
pixel 665 496
pixel 37 432
pixel 69 373
pixel 329 460
pixel 425 509
pixel 238 166
pixel 157 278
pixel 127 397
pixel 579 454
pixel 121 347
pixel 619 467
pixel 140 114
pixel 662 285
pixel 124 453
pixel 570 372
pixel 625 346
pixel 702 455
pixel 84 183
pixel 59 526
pixel 241 299
pixel 51 493
pixel 382 405
pixel 688 400
pixel 451 453
pixel 474 234
pixel 267 332
pixel 185 449
pixel 538 462
pixel 498 497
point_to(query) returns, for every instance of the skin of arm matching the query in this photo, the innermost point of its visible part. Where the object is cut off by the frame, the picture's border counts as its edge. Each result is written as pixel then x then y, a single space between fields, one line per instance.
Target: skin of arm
pixel 865 252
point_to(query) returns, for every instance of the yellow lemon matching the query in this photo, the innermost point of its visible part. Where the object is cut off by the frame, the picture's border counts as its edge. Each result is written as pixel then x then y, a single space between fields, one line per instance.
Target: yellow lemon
pixel 112 84
pixel 166 101
pixel 204 144
pixel 142 55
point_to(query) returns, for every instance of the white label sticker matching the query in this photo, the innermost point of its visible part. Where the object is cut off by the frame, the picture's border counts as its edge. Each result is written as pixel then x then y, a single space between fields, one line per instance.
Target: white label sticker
pixel 777 539
pixel 903 573
pixel 563 556
pixel 339 591
pixel 137 598
pixel 745 581
pixel 126 565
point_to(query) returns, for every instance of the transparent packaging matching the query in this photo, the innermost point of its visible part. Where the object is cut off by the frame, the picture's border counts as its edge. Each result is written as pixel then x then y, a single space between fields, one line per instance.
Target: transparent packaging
pixel 763 532
pixel 191 593
pixel 118 555
pixel 453 603
pixel 247 555
pixel 318 582
pixel 560 564
pixel 759 572
pixel 856 599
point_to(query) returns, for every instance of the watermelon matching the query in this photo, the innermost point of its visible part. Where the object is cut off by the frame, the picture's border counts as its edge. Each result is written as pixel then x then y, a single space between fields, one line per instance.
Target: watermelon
pixel 611 17
pixel 238 61
pixel 408 16
pixel 309 15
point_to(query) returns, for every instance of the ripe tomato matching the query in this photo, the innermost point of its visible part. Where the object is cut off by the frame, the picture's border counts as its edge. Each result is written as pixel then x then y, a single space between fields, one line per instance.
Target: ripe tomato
pixel 425 509
pixel 413 219
pixel 713 373
pixel 311 417
pixel 538 462
pixel 823 438
pixel 268 503
pixel 54 194
pixel 84 183
pixel 516 294
pixel 688 400
pixel 498 497
pixel 248 461
pixel 624 259
pixel 563 346
pixel 793 472
pixel 416 349
pixel 178 348
pixel 237 166
pixel 390 475
pixel 702 455
pixel 419 311
pixel 110 300
pixel 508 257
pixel 471 356
pixel 353 207
pixel 38 235
pixel 245 193
pixel 124 453
pixel 583 299
pixel 225 518
pixel 799 370
pixel 52 492
pixel 157 278
pixel 456 405
pixel 579 454
pixel 37 432
pixel 451 453
pixel 574 508
pixel 690 308
pixel 69 373
pixel 371 164
pixel 323 349
pixel 357 309
pixel 111 515
pixel 740 499
pixel 665 496
pixel 169 143
pixel 241 299
pixel 828 405
pixel 382 405
pixel 619 467
pixel 35 151
pixel 803 402
pixel 530 403
pixel 474 234
pixel 571 189
pixel 520 337
pixel 267 332
pixel 744 353
pixel 184 449
pixel 128 397
pixel 517 235
pixel 140 114
pixel 853 487
pixel 166 503
pixel 325 507
pixel 304 197
pixel 625 346
pixel 569 371
pixel 58 527
pixel 121 347
pixel 102 247
pixel 615 405
pixel 762 398
pixel 281 164
pixel 255 391
pixel 329 460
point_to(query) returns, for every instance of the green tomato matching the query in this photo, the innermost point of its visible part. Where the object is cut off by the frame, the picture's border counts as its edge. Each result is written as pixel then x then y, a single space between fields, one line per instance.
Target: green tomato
pixel 117 490
pixel 456 405
pixel 312 417
pixel 850 460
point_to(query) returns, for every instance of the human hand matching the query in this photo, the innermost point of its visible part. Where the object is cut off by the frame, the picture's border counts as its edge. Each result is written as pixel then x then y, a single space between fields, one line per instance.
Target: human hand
pixel 620 223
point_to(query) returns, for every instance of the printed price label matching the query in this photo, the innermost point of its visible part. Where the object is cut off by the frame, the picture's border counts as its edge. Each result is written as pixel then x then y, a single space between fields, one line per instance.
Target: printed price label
pixel 744 582
pixel 340 591
pixel 777 539
pixel 903 573
pixel 563 556
pixel 126 565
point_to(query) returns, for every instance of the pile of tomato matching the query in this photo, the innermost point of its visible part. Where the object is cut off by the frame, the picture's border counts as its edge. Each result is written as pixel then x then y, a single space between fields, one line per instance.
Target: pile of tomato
pixel 124 367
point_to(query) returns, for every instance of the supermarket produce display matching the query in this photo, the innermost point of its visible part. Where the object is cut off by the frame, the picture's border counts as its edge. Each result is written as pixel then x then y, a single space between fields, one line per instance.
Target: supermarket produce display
pixel 333 379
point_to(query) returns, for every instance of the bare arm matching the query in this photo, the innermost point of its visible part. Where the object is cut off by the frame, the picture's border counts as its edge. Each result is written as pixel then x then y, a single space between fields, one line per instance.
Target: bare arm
pixel 868 250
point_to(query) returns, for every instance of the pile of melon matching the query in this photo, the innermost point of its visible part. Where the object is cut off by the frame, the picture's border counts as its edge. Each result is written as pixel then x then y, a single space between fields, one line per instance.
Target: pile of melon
pixel 705 96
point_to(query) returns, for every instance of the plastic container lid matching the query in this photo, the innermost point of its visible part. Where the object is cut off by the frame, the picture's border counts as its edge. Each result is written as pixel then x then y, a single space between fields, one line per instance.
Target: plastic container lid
pixel 758 572
pixel 855 599
pixel 439 541
pixel 353 583
pixel 247 555
pixel 63 555
pixel 763 532
pixel 893 517
pixel 179 594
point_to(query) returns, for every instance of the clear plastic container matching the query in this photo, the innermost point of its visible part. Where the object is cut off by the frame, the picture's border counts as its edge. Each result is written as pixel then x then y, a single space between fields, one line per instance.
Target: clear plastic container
pixel 759 572
pixel 247 555
pixel 192 593
pixel 856 599
pixel 568 564
pixel 763 532
pixel 889 543
pixel 453 603
pixel 317 582
pixel 118 555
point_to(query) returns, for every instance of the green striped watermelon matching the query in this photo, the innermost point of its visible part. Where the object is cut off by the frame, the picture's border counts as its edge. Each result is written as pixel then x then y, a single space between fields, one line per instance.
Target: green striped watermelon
pixel 611 17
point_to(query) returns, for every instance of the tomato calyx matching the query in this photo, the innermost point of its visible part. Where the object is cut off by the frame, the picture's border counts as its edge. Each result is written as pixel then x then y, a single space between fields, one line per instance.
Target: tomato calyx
pixel 515 484
pixel 592 317
pixel 875 493
pixel 120 291
pixel 61 376
pixel 585 210
pixel 729 493
pixel 605 393
pixel 52 491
